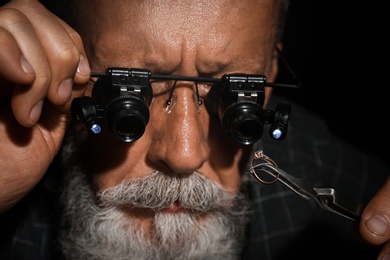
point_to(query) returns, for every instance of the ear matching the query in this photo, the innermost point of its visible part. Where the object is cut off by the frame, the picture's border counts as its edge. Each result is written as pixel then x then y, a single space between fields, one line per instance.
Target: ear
pixel 272 71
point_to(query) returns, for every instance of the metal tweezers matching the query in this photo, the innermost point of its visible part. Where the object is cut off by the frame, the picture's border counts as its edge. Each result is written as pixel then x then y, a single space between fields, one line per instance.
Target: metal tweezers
pixel 324 197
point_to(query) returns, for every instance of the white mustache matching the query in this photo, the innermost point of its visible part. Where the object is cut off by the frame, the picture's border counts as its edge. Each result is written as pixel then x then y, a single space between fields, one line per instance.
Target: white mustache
pixel 159 190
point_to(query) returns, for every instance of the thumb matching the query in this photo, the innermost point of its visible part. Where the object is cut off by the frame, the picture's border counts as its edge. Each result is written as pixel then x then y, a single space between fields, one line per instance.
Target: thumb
pixel 374 225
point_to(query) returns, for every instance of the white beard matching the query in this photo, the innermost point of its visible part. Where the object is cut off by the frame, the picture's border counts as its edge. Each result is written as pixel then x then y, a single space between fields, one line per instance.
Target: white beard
pixel 92 226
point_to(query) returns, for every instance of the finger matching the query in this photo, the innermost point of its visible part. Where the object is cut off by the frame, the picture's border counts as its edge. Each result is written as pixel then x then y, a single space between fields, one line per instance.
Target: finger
pixel 27 99
pixel 385 251
pixel 375 220
pixel 64 51
pixel 62 54
pixel 83 72
pixel 14 67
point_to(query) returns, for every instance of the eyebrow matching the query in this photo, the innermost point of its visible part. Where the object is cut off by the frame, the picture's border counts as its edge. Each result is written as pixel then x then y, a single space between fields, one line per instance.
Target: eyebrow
pixel 167 77
pixel 146 74
pixel 185 78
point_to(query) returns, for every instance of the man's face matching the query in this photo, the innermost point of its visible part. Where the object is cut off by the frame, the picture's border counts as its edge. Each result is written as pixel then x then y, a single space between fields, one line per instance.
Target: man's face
pixel 187 38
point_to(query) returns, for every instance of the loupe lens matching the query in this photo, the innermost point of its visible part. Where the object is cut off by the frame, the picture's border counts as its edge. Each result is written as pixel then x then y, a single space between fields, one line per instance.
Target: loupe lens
pixel 244 122
pixel 127 117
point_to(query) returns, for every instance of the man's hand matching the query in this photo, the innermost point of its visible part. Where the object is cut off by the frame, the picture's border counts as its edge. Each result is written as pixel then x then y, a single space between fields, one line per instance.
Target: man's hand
pixel 375 221
pixel 43 66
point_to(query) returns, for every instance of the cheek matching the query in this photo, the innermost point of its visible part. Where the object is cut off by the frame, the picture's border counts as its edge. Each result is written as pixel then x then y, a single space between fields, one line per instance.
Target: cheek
pixel 109 160
pixel 102 155
pixel 228 159
pixel 231 175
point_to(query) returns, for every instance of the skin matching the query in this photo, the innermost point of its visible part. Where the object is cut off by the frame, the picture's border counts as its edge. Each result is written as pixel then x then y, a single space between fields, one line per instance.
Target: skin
pixel 51 65
pixel 184 140
pixel 35 62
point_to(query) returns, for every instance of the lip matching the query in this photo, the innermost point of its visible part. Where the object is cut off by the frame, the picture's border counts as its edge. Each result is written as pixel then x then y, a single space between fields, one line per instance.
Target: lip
pixel 177 208
pixel 174 208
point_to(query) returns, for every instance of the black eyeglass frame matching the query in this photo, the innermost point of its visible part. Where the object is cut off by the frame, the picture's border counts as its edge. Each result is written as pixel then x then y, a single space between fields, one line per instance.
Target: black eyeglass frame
pixel 121 97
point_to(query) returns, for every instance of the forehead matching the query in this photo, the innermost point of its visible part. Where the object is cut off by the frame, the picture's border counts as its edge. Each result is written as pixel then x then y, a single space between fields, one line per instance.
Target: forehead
pixel 210 34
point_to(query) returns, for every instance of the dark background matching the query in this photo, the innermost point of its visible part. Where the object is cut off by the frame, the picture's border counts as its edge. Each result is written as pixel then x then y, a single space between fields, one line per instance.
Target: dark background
pixel 340 51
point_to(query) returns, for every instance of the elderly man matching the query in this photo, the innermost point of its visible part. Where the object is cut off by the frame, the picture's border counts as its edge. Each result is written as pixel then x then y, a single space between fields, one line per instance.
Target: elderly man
pixel 176 190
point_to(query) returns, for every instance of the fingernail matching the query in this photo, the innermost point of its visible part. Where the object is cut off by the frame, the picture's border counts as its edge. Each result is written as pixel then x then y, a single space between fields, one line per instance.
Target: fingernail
pixel 83 67
pixel 26 66
pixel 65 89
pixel 36 111
pixel 385 257
pixel 377 224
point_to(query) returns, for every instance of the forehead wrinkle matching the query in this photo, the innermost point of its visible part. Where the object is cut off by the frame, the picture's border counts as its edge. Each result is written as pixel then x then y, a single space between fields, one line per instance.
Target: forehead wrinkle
pixel 159 58
pixel 143 42
pixel 217 59
pixel 144 52
pixel 184 38
pixel 227 60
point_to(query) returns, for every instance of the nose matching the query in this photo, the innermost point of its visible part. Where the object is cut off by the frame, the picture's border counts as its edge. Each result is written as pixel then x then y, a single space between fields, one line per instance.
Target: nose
pixel 179 138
